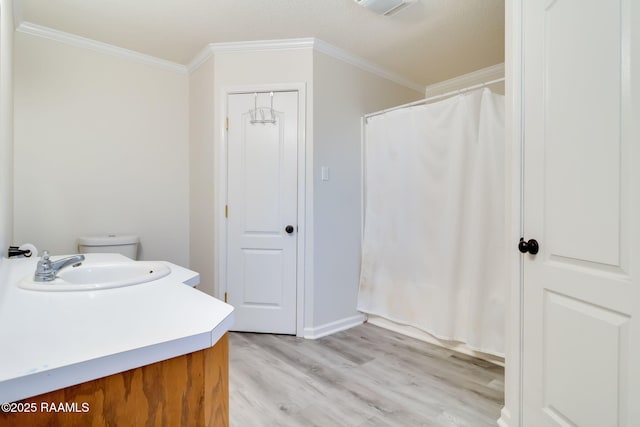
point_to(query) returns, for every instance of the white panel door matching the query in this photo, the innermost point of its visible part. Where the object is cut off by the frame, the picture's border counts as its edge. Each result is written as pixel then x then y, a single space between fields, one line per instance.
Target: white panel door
pixel 581 335
pixel 262 211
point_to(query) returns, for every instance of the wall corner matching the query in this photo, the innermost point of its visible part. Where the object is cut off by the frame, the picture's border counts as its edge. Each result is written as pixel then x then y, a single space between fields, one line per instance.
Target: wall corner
pixel 6 123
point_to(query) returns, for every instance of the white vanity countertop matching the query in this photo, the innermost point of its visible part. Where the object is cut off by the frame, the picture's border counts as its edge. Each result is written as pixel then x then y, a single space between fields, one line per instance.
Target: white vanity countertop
pixel 51 340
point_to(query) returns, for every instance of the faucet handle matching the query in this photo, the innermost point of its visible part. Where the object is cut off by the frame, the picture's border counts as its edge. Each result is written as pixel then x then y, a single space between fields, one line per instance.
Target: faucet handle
pixel 44 270
pixel 44 261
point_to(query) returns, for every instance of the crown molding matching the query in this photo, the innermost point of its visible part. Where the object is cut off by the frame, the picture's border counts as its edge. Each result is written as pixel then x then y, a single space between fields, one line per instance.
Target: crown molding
pixel 215 48
pixel 251 46
pixel 476 77
pixel 82 42
pixel 363 64
pixel 302 43
pixel 263 45
pixel 199 59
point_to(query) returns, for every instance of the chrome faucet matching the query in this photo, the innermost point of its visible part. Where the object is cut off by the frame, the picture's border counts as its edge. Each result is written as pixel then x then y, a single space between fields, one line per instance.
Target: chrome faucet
pixel 47 270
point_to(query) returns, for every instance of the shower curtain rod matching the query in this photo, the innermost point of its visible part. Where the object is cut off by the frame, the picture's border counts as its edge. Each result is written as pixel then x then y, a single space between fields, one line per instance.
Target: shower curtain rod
pixel 435 97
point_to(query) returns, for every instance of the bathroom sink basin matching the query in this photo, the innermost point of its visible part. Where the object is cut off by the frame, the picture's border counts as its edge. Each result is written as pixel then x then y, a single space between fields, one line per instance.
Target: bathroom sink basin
pixel 100 275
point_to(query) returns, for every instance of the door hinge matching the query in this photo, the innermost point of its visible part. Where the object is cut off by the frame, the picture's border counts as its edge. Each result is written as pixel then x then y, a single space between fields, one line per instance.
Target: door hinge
pixel 226 211
pixel 227 123
pixel 225 297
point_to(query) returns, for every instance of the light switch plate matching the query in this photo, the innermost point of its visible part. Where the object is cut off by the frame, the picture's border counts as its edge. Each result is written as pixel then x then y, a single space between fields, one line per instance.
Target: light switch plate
pixel 325 173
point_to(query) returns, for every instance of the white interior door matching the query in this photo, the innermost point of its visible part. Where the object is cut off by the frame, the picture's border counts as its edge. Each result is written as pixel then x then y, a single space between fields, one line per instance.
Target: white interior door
pixel 581 202
pixel 262 211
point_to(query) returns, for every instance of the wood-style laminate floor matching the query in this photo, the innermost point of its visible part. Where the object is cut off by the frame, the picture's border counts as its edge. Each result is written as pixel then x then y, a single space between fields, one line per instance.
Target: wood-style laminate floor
pixel 364 376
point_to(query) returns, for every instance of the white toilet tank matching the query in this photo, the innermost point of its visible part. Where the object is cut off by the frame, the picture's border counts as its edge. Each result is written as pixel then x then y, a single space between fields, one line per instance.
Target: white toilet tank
pixel 126 245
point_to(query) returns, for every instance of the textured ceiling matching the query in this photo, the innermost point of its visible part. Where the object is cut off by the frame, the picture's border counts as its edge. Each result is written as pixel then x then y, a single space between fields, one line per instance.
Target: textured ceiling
pixel 430 41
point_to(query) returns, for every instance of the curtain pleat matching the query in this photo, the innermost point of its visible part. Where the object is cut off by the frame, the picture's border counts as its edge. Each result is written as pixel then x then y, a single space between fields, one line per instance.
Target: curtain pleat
pixel 434 253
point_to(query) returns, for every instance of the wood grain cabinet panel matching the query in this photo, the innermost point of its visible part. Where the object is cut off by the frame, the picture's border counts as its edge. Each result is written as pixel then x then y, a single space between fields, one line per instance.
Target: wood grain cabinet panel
pixel 188 390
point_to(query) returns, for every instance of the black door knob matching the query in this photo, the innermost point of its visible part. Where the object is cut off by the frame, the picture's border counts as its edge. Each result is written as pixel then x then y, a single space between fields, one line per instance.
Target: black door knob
pixel 289 229
pixel 531 246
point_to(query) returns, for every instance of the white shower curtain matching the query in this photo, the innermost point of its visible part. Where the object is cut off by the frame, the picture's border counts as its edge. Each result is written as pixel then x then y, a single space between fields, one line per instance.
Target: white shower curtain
pixel 433 253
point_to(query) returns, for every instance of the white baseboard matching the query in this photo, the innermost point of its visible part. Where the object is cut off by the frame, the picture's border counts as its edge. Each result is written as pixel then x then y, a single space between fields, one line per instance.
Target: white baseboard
pixel 505 418
pixel 424 336
pixel 333 327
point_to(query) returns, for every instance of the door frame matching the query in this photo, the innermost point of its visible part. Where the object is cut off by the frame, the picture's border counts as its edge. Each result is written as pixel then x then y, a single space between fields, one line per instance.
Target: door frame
pixel 221 175
pixel 511 414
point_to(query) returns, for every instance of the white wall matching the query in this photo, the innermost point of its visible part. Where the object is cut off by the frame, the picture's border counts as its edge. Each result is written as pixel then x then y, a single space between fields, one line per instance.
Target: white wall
pixel 202 175
pixel 101 146
pixel 251 68
pixel 6 125
pixel 107 145
pixel 343 93
pixel 338 94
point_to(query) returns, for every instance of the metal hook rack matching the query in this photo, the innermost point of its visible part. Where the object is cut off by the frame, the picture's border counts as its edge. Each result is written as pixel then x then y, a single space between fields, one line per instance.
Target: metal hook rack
pixel 260 111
